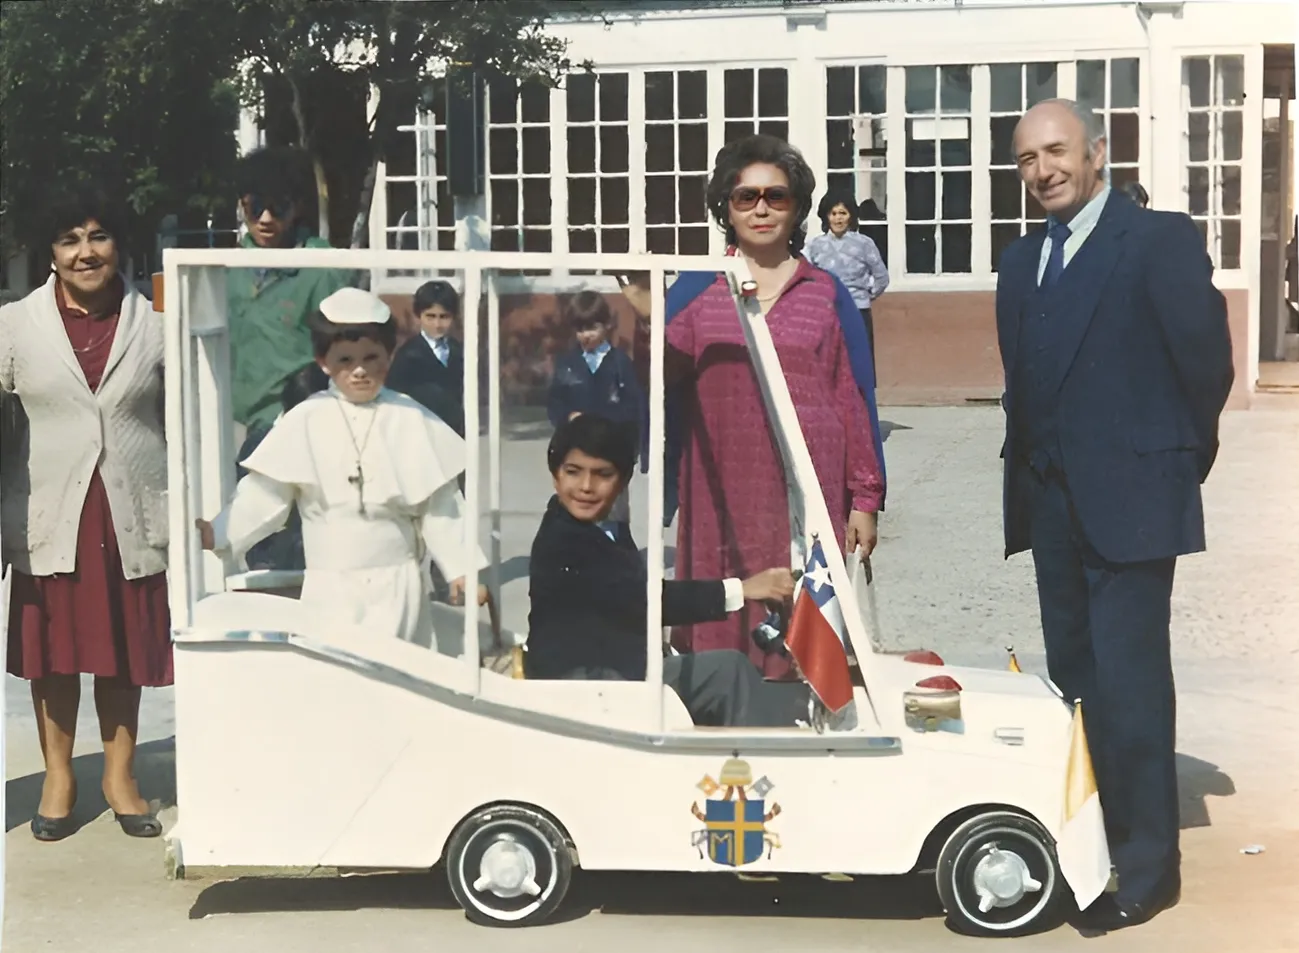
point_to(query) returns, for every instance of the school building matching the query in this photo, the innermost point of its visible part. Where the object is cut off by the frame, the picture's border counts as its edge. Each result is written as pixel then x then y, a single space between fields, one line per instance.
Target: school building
pixel 911 104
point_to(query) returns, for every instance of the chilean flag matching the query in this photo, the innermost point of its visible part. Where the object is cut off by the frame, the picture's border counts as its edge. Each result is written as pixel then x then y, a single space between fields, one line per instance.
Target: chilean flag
pixel 816 635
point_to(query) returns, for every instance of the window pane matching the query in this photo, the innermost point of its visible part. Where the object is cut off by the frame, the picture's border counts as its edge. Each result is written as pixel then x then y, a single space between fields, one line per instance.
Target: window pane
pixel 1233 135
pixel 581 202
pixel 660 148
pixel 922 89
pixel 1039 82
pixel 1091 83
pixel 872 90
pixel 692 147
pixel 446 206
pixel 536 201
pixel 581 241
pixel 402 201
pixel 1003 140
pixel 773 92
pixel 1003 236
pixel 1197 137
pixel 693 241
pixel 956 195
pixel 738 93
pixel 660 199
pixel 955 96
pixel 1007 92
pixel 503 146
pixel 536 150
pixel 838 139
pixel 1230 80
pixel 536 239
pixel 580 93
pixel 1125 83
pixel 692 94
pixel 690 199
pixel 613 149
pixel 615 198
pixel 922 200
pixel 581 149
pixel 774 127
pixel 502 101
pixel 1198 190
pixel 922 251
pixel 1230 189
pixel 1006 193
pixel 1122 177
pixel 956 249
pixel 737 129
pixel 613 97
pixel 841 182
pixel 659 96
pixel 505 202
pixel 838 91
pixel 921 152
pixel 1125 137
pixel 956 150
pixel 615 240
pixel 1195 77
pixel 534 103
pixel 661 241
pixel 1230 244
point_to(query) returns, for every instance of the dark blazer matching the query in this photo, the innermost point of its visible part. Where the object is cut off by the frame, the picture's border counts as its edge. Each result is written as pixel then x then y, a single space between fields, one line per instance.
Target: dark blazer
pixel 588 605
pixel 1144 369
pixel 613 391
pixel 417 373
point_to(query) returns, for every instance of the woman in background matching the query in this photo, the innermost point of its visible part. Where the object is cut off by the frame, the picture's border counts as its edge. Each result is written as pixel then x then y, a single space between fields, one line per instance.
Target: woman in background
pixel 850 256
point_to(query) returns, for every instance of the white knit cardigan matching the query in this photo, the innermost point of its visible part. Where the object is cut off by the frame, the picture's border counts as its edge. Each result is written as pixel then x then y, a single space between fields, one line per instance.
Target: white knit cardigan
pixel 56 431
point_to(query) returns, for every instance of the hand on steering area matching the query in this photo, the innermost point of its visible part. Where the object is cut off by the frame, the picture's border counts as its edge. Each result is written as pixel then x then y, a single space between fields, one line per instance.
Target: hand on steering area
pixel 457 594
pixel 863 532
pixel 770 585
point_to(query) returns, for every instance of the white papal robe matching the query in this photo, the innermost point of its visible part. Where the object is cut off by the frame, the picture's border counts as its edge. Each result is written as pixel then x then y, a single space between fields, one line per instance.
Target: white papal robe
pixel 365 565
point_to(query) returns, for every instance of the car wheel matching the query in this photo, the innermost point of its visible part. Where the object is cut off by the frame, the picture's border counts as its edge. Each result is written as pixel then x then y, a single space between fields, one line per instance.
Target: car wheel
pixel 998 876
pixel 509 866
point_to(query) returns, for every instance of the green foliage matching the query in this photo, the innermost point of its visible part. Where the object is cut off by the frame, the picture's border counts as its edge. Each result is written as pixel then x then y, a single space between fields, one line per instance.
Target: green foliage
pixel 133 94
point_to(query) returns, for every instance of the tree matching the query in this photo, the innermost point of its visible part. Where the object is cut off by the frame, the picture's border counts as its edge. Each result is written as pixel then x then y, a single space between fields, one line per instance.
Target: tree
pixel 114 91
pixel 318 50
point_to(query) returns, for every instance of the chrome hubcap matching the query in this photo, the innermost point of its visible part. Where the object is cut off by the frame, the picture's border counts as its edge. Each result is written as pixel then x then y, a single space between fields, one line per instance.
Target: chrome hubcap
pixel 1002 879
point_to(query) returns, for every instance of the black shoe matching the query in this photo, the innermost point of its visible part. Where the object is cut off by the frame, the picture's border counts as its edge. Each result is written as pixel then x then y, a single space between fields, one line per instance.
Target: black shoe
pixel 50 829
pixel 1108 914
pixel 138 825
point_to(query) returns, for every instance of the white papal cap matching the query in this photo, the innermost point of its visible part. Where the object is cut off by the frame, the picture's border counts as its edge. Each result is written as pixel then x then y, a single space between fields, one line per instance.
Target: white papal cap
pixel 354 306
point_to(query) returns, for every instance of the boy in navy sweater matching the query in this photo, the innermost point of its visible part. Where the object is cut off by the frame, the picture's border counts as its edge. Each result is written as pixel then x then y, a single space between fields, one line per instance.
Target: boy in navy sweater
pixel 594 377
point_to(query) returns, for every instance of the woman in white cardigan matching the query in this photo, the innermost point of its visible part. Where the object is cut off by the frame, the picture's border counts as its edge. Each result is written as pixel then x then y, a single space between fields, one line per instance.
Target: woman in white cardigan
pixel 83 517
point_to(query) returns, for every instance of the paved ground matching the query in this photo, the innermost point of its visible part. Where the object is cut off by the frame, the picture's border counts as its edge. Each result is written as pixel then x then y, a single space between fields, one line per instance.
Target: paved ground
pixel 943 585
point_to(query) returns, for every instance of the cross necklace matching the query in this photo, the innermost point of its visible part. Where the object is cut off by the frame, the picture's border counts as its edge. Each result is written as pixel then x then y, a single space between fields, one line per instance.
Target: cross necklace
pixel 357 479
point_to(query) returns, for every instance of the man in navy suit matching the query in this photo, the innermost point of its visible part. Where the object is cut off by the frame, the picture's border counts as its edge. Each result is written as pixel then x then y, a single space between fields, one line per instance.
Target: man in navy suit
pixel 1118 363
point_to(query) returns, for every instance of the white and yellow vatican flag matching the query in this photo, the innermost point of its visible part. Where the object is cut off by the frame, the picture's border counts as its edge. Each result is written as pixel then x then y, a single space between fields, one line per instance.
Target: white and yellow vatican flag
pixel 1083 850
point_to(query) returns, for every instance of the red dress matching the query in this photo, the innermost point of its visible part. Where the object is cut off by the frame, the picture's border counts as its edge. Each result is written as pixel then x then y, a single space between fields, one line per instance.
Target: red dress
pixel 734 513
pixel 93 620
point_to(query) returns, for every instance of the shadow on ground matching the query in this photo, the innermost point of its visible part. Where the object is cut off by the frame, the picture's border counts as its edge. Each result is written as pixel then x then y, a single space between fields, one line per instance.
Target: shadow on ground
pixel 155 768
pixel 619 893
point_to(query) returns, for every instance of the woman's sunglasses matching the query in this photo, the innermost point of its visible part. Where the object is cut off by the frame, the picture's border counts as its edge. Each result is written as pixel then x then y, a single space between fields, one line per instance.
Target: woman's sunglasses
pixel 746 198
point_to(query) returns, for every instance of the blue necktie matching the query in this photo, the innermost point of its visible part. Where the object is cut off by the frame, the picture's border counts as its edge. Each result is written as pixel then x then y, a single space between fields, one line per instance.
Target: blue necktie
pixel 592 360
pixel 1058 234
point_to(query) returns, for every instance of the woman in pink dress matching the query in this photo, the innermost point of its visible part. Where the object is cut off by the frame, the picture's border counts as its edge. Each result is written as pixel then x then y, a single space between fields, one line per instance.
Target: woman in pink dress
pixel 83 470
pixel 734 513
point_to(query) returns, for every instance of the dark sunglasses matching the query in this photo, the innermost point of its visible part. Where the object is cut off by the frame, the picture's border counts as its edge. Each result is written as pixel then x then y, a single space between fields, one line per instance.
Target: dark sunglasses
pixel 745 198
pixel 257 205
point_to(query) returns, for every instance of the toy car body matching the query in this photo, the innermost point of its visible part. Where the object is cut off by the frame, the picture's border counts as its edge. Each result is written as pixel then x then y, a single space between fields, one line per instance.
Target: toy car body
pixel 303 742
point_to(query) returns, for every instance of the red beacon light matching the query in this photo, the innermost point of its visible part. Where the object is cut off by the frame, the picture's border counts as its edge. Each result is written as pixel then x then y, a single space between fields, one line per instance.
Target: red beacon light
pixel 923 657
pixel 942 683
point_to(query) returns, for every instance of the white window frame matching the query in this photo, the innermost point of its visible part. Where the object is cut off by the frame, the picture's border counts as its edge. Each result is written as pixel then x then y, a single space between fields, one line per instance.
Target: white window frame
pixel 1214 217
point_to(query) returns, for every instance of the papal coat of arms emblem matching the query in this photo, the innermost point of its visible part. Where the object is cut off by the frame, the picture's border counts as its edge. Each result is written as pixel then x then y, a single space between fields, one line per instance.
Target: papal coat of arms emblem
pixel 735 822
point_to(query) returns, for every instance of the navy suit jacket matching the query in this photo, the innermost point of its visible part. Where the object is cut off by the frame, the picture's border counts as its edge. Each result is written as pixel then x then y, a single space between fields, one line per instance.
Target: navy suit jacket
pixel 1144 369
pixel 417 373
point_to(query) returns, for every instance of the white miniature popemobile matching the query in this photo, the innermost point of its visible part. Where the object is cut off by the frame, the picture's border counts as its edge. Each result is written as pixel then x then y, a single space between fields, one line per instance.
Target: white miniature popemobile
pixel 303 742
